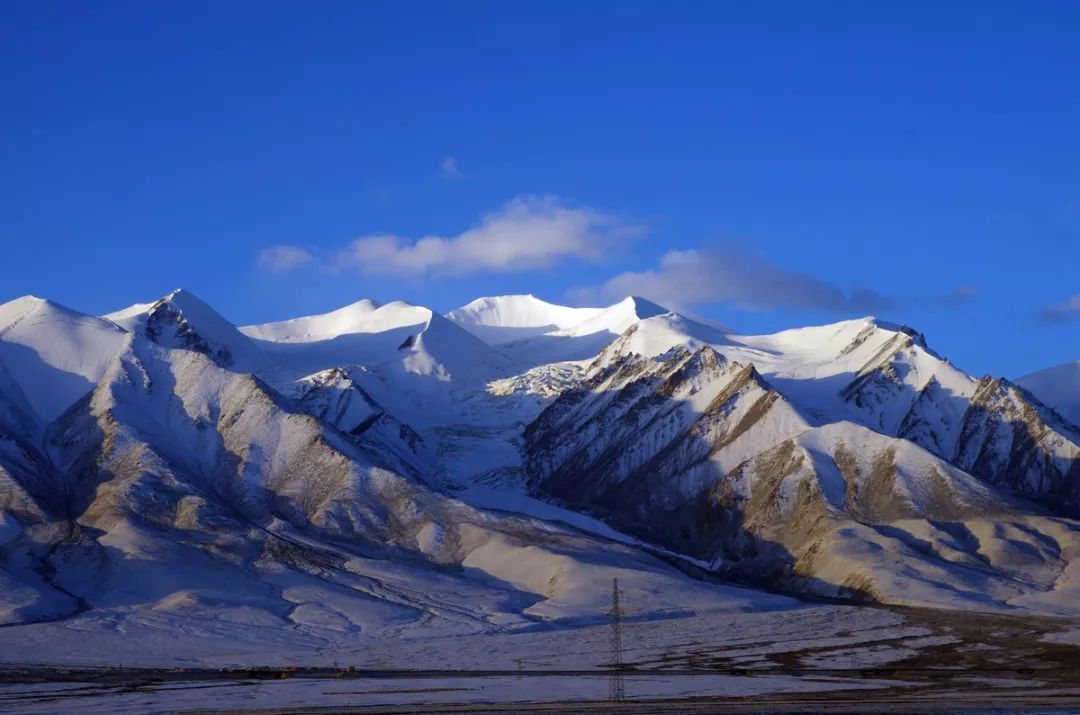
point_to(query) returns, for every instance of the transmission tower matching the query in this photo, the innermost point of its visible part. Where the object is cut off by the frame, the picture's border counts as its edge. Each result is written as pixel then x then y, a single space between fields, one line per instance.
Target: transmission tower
pixel 616 689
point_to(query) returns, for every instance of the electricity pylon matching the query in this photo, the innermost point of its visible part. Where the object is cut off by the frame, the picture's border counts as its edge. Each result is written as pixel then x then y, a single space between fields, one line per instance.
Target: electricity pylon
pixel 616 687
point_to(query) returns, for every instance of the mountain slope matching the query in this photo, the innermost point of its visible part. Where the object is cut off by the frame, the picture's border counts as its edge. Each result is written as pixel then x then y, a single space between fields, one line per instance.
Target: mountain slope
pixel 335 398
pixel 52 354
pixel 886 378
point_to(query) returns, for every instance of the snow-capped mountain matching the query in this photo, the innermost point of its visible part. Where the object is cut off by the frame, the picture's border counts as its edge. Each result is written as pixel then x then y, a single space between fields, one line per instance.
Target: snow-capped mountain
pixel 1057 387
pixel 510 317
pixel 178 483
pixel 669 446
pixel 182 320
pixel 539 333
pixel 415 339
pixel 384 467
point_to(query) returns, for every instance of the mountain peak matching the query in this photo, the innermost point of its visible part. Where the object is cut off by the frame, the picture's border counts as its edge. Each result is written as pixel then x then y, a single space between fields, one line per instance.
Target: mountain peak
pixel 348 319
pixel 27 301
pixel 54 354
pixel 503 318
pixel 1058 387
pixel 364 304
pixel 516 310
pixel 185 299
pixel 642 307
pixel 194 310
pixel 182 319
pixel 30 305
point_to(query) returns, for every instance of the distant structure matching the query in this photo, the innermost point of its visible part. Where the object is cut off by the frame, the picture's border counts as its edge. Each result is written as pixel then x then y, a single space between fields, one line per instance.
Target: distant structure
pixel 616 687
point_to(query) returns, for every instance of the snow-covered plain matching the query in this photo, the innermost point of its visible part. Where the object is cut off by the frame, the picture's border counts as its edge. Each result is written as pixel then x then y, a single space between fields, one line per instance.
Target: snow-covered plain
pixel 412 490
pixel 853 651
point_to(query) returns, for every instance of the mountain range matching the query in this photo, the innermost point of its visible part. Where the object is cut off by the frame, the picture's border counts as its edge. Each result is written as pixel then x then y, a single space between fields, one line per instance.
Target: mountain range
pixel 386 468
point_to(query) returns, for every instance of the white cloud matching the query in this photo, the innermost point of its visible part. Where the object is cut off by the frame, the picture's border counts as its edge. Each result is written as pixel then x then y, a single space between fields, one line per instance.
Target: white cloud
pixel 702 277
pixel 525 234
pixel 449 168
pixel 281 258
pixel 1063 312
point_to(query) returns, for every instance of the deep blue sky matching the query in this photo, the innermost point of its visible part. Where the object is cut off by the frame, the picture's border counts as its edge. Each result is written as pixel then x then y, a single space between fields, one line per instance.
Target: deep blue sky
pixel 929 152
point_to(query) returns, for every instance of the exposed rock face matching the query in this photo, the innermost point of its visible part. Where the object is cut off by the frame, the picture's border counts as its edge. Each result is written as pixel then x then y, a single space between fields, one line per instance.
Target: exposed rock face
pixel 643 439
pixel 1010 440
pixel 990 428
pixel 704 455
pixel 168 326
pixel 333 397
pixel 643 431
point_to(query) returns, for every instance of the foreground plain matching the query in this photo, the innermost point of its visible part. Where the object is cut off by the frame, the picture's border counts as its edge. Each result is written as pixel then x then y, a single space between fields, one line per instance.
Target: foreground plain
pixel 806 659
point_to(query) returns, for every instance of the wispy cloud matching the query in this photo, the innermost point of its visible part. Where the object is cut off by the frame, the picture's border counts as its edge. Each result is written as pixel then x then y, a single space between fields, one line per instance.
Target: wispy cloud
pixel 689 278
pixel 1063 312
pixel 449 169
pixel 281 258
pixel 525 234
pixel 957 296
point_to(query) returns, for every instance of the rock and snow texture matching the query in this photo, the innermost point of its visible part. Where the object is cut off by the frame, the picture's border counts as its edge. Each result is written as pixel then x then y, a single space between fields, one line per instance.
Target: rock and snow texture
pixel 383 468
pixel 821 458
pixel 398 335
